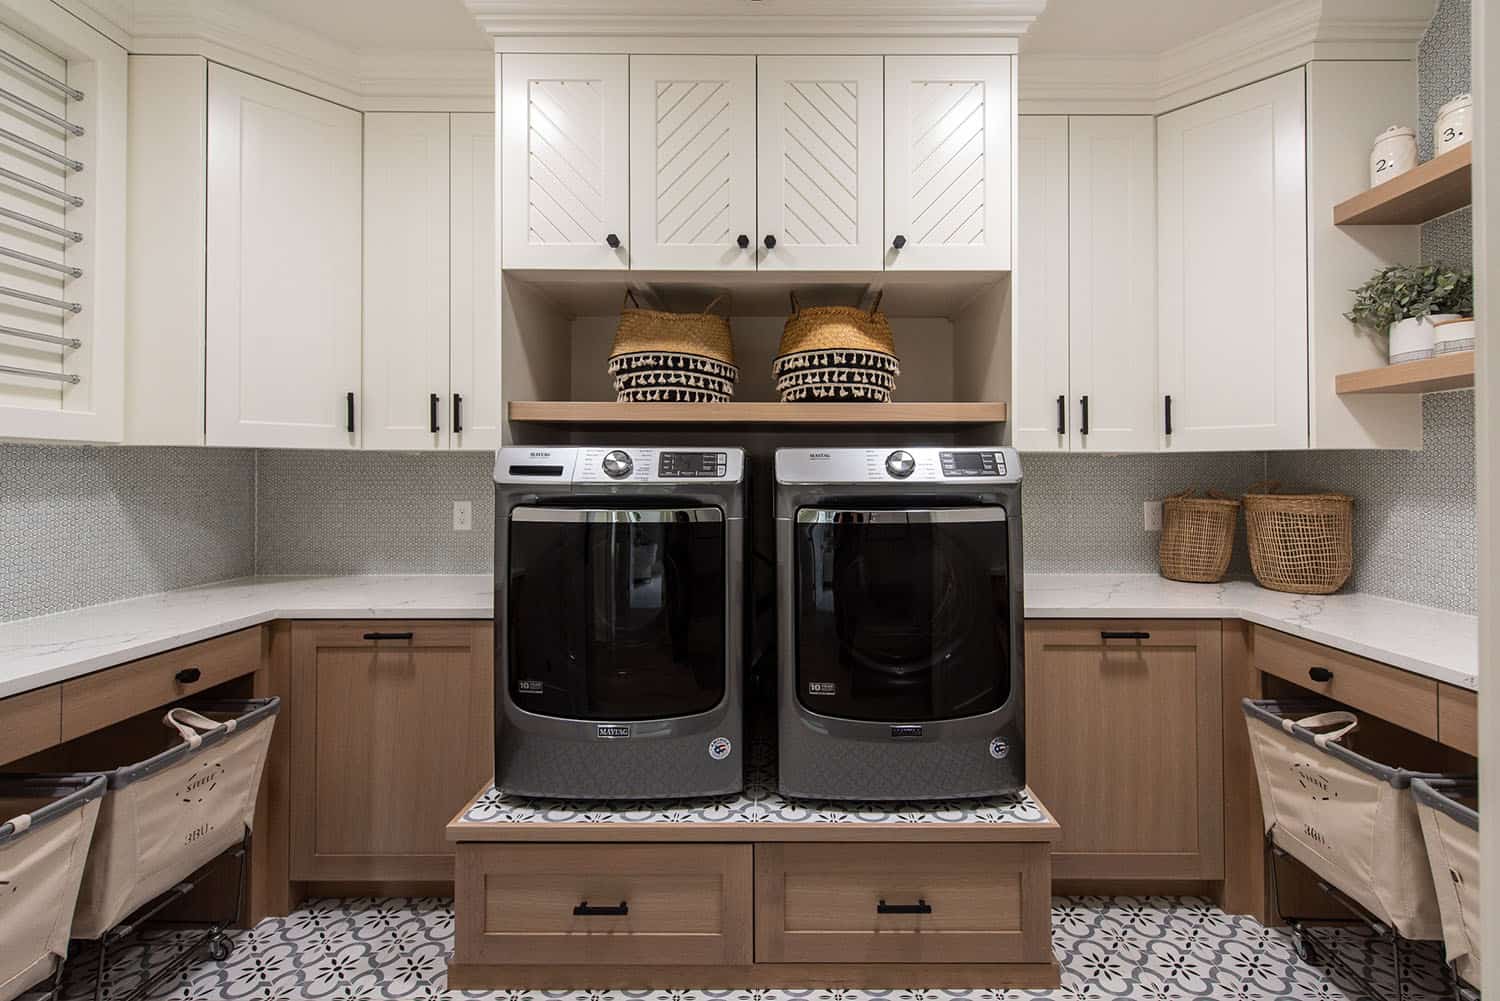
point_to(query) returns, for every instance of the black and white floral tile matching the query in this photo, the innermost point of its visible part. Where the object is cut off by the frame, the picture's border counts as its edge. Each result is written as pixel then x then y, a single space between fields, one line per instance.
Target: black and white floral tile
pixel 1149 948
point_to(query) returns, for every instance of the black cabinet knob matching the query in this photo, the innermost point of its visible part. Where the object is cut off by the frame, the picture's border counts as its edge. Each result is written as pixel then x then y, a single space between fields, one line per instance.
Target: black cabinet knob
pixel 899 241
pixel 188 675
pixel 613 241
pixel 743 241
pixel 1320 674
pixel 770 242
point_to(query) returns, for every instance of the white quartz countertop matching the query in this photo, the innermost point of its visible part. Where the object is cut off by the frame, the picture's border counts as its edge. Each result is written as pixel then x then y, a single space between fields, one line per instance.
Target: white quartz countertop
pixel 49 649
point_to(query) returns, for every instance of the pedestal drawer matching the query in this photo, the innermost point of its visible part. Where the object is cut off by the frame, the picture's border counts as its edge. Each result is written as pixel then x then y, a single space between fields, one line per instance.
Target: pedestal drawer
pixel 30 722
pixel 902 903
pixel 592 904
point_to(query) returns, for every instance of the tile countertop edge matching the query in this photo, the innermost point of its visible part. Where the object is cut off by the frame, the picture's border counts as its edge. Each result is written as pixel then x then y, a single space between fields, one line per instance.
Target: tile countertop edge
pixel 37 652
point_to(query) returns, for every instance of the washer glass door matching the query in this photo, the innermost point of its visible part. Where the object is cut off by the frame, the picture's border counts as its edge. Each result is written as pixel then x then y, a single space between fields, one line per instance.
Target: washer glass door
pixel 902 615
pixel 616 614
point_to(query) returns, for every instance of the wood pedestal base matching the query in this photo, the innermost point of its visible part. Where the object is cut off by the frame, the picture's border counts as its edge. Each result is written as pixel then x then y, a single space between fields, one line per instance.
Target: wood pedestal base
pixel 863 976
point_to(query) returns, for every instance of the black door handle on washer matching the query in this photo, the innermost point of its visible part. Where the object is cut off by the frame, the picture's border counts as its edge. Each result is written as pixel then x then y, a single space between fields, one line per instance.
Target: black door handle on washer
pixel 188 675
pixel 770 242
pixel 1320 674
pixel 583 910
pixel 920 907
pixel 432 405
pixel 1083 428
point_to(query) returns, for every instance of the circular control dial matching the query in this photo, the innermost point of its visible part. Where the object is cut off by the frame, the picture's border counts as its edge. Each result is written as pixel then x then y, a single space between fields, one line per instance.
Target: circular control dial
pixel 900 464
pixel 617 465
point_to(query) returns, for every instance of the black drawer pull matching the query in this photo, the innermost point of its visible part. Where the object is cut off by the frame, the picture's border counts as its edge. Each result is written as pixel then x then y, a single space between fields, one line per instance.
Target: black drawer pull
pixel 583 910
pixel 1084 429
pixel 349 415
pixel 432 406
pixel 1062 412
pixel 1168 414
pixel 188 675
pixel 920 907
pixel 458 413
pixel 1320 674
pixel 387 636
pixel 1107 635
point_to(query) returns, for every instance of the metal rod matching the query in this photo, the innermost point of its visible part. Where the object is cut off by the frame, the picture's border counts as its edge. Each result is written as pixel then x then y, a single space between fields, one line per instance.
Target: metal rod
pixel 74 200
pixel 40 150
pixel 42 262
pixel 67 234
pixel 41 112
pixel 32 335
pixel 72 92
pixel 43 300
pixel 37 373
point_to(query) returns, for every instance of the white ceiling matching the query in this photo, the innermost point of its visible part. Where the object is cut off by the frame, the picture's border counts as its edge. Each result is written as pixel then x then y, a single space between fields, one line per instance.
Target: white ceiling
pixel 1132 27
pixel 381 24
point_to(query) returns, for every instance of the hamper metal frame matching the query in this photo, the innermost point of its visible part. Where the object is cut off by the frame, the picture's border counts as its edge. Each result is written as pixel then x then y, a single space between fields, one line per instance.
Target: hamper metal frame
pixel 1432 792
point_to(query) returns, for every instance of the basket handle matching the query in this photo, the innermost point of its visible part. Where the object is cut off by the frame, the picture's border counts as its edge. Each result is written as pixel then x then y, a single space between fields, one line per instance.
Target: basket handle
pixel 630 298
pixel 191 726
pixel 875 306
pixel 796 306
pixel 714 302
pixel 1344 721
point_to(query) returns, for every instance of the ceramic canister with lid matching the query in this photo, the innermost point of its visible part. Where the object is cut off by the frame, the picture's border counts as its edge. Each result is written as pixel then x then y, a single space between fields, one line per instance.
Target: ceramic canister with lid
pixel 1394 154
pixel 1455 124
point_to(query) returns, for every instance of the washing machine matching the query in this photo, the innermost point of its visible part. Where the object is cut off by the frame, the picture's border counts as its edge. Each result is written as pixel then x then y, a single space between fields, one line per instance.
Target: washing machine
pixel 619 626
pixel 899 623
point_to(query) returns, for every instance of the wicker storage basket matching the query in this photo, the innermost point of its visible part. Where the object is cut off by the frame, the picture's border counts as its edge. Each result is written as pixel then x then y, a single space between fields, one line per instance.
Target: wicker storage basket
pixel 46 822
pixel 661 356
pixel 1448 809
pixel 1302 543
pixel 1197 536
pixel 836 353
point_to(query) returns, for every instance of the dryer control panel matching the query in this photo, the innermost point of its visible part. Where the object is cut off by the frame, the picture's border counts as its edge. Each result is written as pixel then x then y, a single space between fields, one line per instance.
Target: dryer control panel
pixel 623 464
pixel 896 464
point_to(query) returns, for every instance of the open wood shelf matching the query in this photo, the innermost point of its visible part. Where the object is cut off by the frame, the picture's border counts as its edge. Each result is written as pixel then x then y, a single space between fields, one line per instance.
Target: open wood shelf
pixel 1431 375
pixel 599 412
pixel 1425 192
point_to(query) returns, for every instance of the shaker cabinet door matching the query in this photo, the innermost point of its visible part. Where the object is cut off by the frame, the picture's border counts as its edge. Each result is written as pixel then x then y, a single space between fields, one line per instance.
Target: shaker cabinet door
pixel 473 283
pixel 566 198
pixel 692 162
pixel 948 162
pixel 819 146
pixel 1040 410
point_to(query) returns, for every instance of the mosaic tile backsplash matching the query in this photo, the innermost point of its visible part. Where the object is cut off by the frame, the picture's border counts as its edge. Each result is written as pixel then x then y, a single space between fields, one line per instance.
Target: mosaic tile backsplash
pixel 1442 73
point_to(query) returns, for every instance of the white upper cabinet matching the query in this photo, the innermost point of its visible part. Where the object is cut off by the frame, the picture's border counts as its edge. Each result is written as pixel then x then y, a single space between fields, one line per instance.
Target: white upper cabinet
pixel 948 162
pixel 474 341
pixel 283 303
pixel 405 370
pixel 1039 400
pixel 1112 282
pixel 819 145
pixel 692 162
pixel 1233 269
pixel 566 198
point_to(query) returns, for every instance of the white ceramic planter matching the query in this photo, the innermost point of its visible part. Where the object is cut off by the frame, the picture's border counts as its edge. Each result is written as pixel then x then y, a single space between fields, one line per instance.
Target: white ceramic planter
pixel 1452 334
pixel 1411 340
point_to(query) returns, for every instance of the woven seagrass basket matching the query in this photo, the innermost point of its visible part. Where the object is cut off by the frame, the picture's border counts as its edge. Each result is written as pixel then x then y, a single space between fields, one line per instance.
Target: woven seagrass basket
pixel 1302 543
pixel 655 351
pixel 1197 536
pixel 836 354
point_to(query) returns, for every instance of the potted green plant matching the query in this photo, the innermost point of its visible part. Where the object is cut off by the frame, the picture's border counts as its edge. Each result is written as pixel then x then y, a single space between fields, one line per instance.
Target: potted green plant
pixel 1453 326
pixel 1402 299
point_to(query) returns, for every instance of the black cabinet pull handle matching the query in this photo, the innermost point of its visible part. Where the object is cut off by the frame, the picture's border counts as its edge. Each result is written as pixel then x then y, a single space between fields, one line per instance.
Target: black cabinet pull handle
pixel 1169 413
pixel 1084 427
pixel 432 405
pixel 899 241
pixel 188 675
pixel 387 636
pixel 583 910
pixel 1320 674
pixel 458 413
pixel 920 907
pixel 743 241
pixel 613 241
pixel 1108 635
pixel 1062 415
pixel 349 416
pixel 770 242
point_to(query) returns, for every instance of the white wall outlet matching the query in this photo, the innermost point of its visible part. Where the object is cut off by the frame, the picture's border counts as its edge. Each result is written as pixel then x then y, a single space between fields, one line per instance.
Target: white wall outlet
pixel 463 516
pixel 1153 516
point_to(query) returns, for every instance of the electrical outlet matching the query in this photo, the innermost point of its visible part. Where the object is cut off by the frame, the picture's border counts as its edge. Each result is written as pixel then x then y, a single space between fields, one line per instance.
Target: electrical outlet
pixel 1153 516
pixel 463 516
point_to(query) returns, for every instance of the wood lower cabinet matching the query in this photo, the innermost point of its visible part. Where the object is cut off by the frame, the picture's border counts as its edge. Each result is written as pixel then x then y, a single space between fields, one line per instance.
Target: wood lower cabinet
pixel 1124 744
pixel 391 733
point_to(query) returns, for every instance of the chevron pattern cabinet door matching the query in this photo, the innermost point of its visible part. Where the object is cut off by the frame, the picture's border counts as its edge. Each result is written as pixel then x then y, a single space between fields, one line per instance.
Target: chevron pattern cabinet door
pixel 566 166
pixel 819 138
pixel 692 162
pixel 948 171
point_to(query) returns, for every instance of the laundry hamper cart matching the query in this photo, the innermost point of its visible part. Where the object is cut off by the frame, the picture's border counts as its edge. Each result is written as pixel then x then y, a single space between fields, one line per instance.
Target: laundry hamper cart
pixel 1449 811
pixel 45 826
pixel 167 818
pixel 1349 819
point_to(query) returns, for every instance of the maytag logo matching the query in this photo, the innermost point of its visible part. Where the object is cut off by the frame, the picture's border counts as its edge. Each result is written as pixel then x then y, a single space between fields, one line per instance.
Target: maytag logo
pixel 906 731
pixel 540 455
pixel 611 731
pixel 819 455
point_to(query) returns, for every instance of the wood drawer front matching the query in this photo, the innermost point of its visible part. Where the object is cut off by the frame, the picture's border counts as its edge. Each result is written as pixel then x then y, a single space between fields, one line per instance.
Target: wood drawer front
pixel 97 700
pixel 687 904
pixel 30 722
pixel 821 903
pixel 1458 718
pixel 1390 693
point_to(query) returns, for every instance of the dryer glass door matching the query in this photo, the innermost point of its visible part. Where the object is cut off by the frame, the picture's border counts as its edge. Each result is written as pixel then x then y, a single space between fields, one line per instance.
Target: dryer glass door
pixel 616 614
pixel 902 615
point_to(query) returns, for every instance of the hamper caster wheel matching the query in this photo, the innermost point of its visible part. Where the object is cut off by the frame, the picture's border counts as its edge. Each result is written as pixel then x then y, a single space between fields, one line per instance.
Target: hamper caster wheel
pixel 219 948
pixel 1304 948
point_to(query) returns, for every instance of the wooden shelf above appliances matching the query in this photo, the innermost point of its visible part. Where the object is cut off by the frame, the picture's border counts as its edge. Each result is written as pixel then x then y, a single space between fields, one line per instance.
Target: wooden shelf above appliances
pixel 1425 192
pixel 1432 375
pixel 601 412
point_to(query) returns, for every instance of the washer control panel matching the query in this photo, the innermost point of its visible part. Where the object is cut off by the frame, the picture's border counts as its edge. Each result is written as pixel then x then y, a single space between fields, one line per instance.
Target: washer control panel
pixel 961 464
pixel 692 465
pixel 898 465
pixel 629 464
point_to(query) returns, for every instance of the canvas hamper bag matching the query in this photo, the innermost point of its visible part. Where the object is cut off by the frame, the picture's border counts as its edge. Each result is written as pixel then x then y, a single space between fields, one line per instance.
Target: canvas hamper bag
pixel 1450 830
pixel 173 813
pixel 1347 818
pixel 46 822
